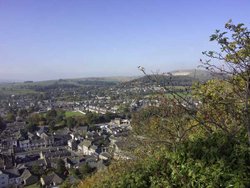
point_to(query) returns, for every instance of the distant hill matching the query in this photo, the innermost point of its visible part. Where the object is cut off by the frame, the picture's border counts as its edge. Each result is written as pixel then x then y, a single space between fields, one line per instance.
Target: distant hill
pixel 2 81
pixel 182 77
pixel 201 75
pixel 175 78
pixel 75 80
pixel 163 80
pixel 27 87
pixel 109 79
pixel 72 82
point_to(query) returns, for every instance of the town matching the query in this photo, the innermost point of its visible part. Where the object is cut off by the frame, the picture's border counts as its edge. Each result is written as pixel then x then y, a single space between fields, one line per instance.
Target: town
pixel 62 133
pixel 124 94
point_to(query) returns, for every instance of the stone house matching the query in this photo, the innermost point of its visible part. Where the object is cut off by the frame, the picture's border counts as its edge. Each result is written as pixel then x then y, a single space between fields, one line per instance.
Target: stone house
pixel 51 180
pixel 14 177
pixel 87 147
pixel 28 178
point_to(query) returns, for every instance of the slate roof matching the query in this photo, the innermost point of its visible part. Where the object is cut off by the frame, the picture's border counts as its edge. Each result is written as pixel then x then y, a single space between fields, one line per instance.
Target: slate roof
pixel 52 179
pixel 26 174
pixel 39 162
pixel 43 129
pixel 13 173
pixel 60 153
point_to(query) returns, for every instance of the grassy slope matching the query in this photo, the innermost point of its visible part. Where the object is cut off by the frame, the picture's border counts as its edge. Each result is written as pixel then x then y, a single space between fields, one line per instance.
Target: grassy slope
pixel 72 114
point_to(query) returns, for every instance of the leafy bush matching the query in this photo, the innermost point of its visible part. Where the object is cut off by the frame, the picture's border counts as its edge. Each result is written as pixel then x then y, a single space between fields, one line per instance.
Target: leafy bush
pixel 216 161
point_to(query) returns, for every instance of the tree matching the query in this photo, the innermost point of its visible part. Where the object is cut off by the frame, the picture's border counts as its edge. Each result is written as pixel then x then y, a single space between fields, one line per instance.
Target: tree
pixel 167 124
pixel 34 119
pixel 10 117
pixel 92 118
pixel 224 103
pixel 75 172
pixel 51 115
pixel 66 184
pixel 219 107
pixel 60 167
pixel 1 123
pixel 22 113
pixel 51 126
pixel 85 170
pixel 60 116
pixel 71 122
pixel 211 161
pixel 37 170
pixel 234 55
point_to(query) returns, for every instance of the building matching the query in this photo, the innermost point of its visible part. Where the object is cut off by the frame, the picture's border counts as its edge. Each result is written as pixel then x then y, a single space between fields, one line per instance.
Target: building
pixel 28 178
pixel 4 180
pixel 51 180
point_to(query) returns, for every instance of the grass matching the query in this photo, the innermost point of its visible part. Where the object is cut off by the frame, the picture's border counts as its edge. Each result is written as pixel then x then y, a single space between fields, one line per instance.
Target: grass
pixel 72 114
pixel 14 91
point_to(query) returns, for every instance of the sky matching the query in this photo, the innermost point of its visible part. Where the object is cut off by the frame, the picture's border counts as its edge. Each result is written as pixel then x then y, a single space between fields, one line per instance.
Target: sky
pixel 52 39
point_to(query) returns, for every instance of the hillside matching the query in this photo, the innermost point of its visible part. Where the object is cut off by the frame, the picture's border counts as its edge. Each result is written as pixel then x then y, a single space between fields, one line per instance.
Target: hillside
pixel 31 86
pixel 193 73
pixel 174 78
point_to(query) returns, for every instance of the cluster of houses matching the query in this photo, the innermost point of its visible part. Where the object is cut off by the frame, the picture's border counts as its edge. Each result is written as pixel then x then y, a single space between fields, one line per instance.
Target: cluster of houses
pixel 20 152
pixel 95 146
pixel 108 100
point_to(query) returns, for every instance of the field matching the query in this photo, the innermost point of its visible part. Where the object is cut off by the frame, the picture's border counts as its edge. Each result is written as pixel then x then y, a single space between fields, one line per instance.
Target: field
pixel 16 91
pixel 73 114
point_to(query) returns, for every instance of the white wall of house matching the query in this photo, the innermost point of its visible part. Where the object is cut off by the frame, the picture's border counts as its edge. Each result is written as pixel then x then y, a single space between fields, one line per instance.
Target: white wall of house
pixel 85 150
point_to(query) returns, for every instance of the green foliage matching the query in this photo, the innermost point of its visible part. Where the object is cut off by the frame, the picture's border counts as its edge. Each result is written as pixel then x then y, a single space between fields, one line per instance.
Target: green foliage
pixel 219 158
pixel 234 52
pixel 91 118
pixel 35 119
pixel 22 113
pixel 51 115
pixel 221 106
pixel 30 127
pixel 60 167
pixel 94 118
pixel 167 124
pixel 60 116
pixel 1 123
pixel 75 172
pixel 71 122
pixel 37 170
pixel 188 156
pixel 67 184
pixel 10 117
pixel 51 126
pixel 216 161
pixel 85 170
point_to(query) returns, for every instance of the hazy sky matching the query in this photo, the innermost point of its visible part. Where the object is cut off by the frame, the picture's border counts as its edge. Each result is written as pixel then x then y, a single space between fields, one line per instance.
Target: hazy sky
pixel 50 39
